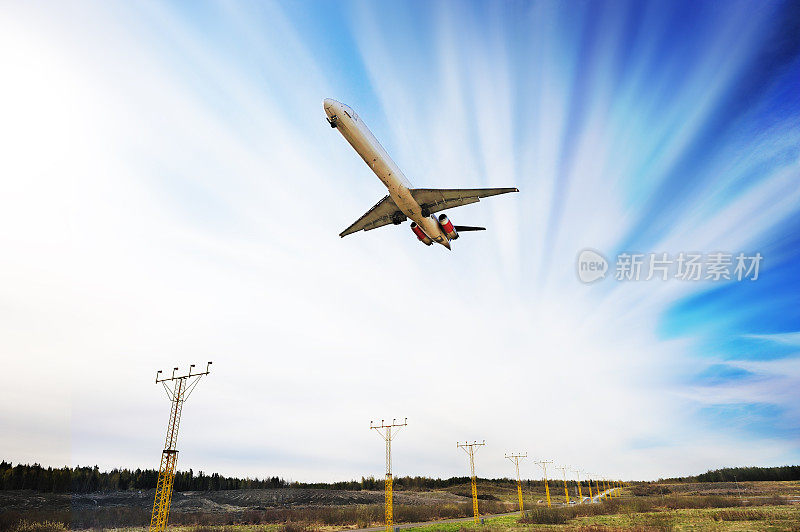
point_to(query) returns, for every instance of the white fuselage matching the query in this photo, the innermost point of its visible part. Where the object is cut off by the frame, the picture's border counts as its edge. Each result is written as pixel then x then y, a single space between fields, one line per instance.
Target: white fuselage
pixel 356 132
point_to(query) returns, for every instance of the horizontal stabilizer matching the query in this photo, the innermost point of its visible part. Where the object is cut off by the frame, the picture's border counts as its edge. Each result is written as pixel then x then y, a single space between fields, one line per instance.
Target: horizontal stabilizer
pixel 463 228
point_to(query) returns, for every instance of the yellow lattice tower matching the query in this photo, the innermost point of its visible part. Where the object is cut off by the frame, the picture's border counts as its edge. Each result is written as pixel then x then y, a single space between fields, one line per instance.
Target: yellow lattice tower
pixel 515 458
pixel 564 473
pixel 543 465
pixel 589 481
pixel 580 492
pixel 469 448
pixel 385 432
pixel 182 387
pixel 599 484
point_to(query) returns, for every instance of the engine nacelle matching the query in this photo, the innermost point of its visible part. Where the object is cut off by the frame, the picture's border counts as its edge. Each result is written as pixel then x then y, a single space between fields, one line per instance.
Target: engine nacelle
pixel 425 239
pixel 447 227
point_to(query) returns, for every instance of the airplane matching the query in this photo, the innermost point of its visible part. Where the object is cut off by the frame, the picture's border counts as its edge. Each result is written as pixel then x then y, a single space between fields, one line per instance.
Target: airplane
pixel 403 201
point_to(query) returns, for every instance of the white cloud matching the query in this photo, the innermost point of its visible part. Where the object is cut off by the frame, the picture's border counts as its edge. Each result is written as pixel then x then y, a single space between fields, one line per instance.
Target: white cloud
pixel 163 205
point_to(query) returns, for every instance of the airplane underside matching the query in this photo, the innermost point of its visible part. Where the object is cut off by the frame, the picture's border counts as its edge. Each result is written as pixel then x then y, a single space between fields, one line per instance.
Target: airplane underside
pixel 403 202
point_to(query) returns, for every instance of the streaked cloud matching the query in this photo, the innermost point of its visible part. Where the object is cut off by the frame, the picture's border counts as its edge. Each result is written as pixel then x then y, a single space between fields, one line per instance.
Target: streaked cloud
pixel 172 194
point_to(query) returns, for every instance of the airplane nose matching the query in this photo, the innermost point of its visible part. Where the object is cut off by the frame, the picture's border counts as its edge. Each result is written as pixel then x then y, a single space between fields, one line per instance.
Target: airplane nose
pixel 330 106
pixel 331 111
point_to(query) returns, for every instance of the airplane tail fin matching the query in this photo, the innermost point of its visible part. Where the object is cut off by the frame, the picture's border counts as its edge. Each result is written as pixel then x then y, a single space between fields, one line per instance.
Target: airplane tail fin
pixel 463 228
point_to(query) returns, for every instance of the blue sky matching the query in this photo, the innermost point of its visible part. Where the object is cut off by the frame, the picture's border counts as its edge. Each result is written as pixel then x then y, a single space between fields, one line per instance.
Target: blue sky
pixel 174 195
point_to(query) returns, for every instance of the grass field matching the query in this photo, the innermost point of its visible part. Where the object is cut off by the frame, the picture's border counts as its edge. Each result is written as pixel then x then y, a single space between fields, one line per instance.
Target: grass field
pixel 768 517
pixel 643 507
pixel 777 518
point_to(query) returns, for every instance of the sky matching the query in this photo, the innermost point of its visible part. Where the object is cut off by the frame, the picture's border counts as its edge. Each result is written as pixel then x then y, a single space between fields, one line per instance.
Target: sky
pixel 172 194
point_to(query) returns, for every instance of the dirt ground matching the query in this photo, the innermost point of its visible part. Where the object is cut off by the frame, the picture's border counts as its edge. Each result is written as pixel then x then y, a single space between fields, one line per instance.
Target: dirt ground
pixel 790 489
pixel 218 501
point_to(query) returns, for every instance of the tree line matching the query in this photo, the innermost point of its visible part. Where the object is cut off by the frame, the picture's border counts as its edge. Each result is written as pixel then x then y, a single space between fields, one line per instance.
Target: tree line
pixel 741 474
pixel 733 474
pixel 90 479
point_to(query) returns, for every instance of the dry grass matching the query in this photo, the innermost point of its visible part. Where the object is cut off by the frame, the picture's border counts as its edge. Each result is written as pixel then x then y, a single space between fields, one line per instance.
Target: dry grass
pixel 297 527
pixel 645 513
pixel 748 514
pixel 297 519
pixel 604 528
pixel 652 504
pixel 45 526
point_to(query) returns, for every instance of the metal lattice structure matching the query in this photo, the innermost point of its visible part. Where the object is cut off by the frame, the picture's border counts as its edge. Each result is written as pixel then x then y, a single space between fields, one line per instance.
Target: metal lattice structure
pixel 182 387
pixel 385 432
pixel 469 448
pixel 515 458
pixel 598 482
pixel 589 481
pixel 598 487
pixel 580 492
pixel 566 491
pixel 543 465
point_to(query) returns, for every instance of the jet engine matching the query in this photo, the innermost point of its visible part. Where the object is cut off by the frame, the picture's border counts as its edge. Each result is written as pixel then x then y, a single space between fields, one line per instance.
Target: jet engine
pixel 421 234
pixel 447 227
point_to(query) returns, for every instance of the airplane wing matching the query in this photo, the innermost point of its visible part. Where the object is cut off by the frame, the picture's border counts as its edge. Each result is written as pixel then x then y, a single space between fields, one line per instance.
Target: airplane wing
pixel 378 216
pixel 439 199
